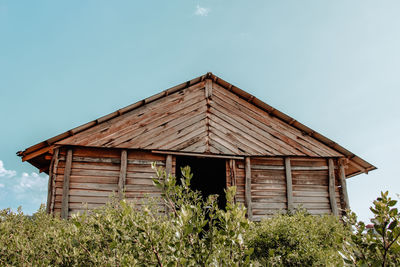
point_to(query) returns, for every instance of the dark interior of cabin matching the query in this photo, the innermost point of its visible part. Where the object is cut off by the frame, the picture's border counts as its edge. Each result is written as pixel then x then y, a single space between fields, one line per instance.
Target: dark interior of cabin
pixel 209 176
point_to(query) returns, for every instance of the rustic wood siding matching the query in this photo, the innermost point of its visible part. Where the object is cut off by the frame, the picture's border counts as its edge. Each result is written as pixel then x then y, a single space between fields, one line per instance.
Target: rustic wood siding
pixel 268 186
pixel 139 183
pixel 95 174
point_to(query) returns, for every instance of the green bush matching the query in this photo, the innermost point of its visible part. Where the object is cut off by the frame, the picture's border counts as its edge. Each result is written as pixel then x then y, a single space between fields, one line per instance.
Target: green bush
pixel 378 245
pixel 297 239
pixel 187 230
pixel 195 232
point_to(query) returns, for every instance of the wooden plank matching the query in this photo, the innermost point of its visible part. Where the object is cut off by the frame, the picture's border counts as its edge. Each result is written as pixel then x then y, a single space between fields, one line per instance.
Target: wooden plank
pixel 263 127
pixel 50 184
pixel 298 168
pixel 168 165
pixel 332 197
pixel 275 123
pixel 122 173
pixel 200 155
pixel 37 153
pixel 208 88
pixel 241 140
pixel 342 177
pixel 52 181
pixel 135 116
pixel 56 162
pixel 248 188
pixel 65 193
pixel 147 136
pixel 289 184
pixel 114 161
pixel 91 186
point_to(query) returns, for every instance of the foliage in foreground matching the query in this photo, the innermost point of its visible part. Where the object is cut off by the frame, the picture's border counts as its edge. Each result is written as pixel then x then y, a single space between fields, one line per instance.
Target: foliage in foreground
pixel 196 232
pixel 298 240
pixel 378 245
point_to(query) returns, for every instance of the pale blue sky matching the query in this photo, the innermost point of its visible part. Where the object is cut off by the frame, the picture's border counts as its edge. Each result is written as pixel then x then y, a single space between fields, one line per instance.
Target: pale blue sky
pixel 332 65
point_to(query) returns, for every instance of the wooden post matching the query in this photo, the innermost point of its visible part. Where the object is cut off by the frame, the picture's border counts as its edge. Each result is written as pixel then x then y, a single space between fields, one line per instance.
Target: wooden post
pixel 50 183
pixel 54 176
pixel 342 176
pixel 122 173
pixel 168 165
pixel 65 195
pixel 289 184
pixel 232 167
pixel 248 188
pixel 332 192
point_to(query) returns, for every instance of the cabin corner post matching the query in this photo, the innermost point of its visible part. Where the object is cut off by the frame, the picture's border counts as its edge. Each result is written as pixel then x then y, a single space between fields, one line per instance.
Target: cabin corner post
pixel 122 173
pixel 342 177
pixel 54 176
pixel 332 192
pixel 248 188
pixel 65 194
pixel 289 185
pixel 50 182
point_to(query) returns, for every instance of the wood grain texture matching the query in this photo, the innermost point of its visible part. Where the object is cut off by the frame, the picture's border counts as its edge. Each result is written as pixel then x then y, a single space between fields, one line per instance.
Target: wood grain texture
pixel 248 187
pixel 332 193
pixel 65 192
pixel 289 189
pixel 202 118
pixel 342 177
pixel 122 173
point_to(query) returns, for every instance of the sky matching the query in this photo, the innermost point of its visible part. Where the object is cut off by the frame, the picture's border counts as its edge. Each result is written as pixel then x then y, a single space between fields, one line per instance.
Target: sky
pixel 332 65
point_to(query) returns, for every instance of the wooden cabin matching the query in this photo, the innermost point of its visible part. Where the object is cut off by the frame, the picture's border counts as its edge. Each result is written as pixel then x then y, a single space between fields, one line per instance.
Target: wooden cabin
pixel 228 137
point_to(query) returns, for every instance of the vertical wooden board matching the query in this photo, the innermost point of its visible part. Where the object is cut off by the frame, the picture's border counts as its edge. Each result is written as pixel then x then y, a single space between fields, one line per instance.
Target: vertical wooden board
pixel 53 179
pixel 248 187
pixel 65 193
pixel 122 174
pixel 228 173
pixel 332 191
pixel 342 177
pixel 240 183
pixel 173 171
pixel 289 189
pixel 168 164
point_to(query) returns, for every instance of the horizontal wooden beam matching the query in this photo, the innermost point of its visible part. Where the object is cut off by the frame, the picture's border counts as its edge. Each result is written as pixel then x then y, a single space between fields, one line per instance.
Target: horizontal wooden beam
pixel 200 155
pixel 37 153
pixel 295 168
pixel 114 160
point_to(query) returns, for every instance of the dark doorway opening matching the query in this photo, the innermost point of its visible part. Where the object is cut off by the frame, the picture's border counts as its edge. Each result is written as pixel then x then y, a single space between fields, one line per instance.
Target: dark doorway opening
pixel 209 176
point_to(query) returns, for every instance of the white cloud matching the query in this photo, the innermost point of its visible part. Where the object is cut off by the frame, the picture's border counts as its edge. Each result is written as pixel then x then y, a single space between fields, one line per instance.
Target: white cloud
pixel 30 182
pixel 4 172
pixel 201 11
pixel 28 190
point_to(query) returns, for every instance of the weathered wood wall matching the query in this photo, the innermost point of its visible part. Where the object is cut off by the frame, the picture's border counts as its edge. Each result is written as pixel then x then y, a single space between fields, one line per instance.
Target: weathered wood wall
pixel 95 177
pixel 271 192
pixel 265 185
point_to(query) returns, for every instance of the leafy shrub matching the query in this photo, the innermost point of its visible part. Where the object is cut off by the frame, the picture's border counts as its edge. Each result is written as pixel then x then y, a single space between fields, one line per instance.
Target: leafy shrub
pixel 378 245
pixel 194 232
pixel 297 239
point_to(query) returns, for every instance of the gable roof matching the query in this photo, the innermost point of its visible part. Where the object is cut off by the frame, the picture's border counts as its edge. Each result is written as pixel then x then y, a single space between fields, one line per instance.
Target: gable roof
pixel 203 115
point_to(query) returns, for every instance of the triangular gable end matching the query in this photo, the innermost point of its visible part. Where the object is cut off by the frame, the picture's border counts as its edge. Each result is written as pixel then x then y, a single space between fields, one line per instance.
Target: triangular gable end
pixel 204 115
